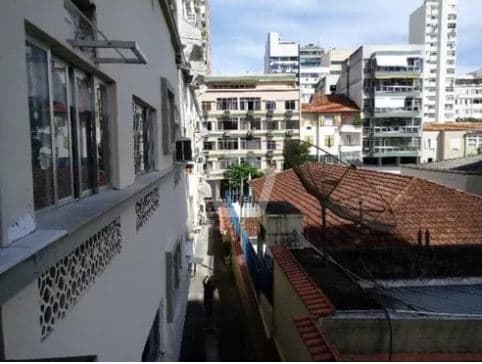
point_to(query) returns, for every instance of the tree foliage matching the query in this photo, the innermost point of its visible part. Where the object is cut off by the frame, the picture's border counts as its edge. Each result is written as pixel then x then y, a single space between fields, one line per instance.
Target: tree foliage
pixel 296 152
pixel 241 172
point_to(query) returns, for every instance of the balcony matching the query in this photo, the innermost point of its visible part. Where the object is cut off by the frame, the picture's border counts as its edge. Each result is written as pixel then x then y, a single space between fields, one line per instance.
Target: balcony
pixel 289 113
pixel 350 148
pixel 350 128
pixel 402 112
pixel 412 91
pixel 396 131
pixel 396 151
pixel 397 72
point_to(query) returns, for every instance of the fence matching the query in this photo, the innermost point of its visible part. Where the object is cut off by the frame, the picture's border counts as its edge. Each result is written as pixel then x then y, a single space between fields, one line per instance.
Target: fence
pixel 260 267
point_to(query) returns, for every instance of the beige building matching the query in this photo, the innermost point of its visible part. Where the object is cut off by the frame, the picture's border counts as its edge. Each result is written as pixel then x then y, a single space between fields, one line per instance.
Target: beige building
pixel 331 123
pixel 247 120
pixel 450 140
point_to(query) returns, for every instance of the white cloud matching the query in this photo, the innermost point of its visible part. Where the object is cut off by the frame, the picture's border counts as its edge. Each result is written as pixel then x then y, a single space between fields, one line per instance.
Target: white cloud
pixel 240 27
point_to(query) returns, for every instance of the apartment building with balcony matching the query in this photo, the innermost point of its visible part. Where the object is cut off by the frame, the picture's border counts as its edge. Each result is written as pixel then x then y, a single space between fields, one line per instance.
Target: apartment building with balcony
pixel 385 81
pixel 434 25
pixel 96 145
pixel 311 69
pixel 333 59
pixel 280 56
pixel 468 96
pixel 193 20
pixel 331 123
pixel 247 120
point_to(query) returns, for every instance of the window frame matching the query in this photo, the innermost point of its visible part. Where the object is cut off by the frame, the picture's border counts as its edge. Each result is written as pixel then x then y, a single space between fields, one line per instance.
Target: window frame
pixel 71 73
pixel 148 135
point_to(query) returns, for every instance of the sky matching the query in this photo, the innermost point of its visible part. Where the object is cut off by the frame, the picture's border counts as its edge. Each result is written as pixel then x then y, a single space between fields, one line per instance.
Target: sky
pixel 240 28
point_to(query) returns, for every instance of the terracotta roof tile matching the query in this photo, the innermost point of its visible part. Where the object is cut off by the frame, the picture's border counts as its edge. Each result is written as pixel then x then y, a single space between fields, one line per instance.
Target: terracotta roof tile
pixel 315 301
pixel 250 224
pixel 408 204
pixel 321 103
pixel 452 126
pixel 315 341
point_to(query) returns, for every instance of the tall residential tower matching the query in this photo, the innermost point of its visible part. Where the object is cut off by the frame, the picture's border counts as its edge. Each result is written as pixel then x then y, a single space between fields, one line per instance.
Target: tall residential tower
pixel 434 24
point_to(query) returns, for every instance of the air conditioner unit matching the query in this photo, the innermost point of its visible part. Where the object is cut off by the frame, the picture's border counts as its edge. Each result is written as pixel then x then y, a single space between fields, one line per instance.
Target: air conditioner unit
pixel 269 113
pixel 269 133
pixel 289 113
pixel 183 150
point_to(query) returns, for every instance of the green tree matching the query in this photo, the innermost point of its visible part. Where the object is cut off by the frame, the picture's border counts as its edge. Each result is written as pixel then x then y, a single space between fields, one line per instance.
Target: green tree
pixel 241 172
pixel 296 152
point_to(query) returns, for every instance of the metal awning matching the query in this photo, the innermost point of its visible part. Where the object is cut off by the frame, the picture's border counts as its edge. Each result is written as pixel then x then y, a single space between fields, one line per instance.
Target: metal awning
pixel 105 43
pixel 391 60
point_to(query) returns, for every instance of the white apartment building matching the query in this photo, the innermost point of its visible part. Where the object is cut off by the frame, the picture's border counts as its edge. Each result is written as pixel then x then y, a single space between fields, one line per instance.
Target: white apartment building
pixel 331 123
pixel 333 59
pixel 311 69
pixel 434 24
pixel 468 96
pixel 247 120
pixel 194 24
pixel 280 56
pixel 95 229
pixel 385 81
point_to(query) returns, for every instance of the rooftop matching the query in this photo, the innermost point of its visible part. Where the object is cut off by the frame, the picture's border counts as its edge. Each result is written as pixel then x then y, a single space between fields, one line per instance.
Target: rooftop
pixel 471 165
pixel 405 206
pixel 321 103
pixel 454 126
pixel 284 77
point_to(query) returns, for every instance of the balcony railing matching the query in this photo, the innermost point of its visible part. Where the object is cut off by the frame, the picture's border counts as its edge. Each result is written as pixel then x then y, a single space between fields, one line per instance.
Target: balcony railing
pixel 397 89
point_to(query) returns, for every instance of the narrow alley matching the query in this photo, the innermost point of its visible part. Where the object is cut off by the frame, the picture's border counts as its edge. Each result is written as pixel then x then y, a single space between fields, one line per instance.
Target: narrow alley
pixel 224 337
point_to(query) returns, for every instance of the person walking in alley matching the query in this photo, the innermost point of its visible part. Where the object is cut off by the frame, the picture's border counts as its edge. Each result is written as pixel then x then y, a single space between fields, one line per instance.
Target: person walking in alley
pixel 209 288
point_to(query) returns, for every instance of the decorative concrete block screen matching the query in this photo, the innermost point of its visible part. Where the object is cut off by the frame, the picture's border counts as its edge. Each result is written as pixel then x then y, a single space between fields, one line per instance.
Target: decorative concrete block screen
pixel 146 206
pixel 63 284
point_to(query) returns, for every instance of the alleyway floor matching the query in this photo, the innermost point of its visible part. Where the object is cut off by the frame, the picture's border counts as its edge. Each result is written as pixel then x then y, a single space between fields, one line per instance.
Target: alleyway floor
pixel 224 337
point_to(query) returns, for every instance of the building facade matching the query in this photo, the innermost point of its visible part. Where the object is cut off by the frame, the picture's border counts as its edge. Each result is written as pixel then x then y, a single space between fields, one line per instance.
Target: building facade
pixel 93 258
pixel 443 141
pixel 193 20
pixel 468 96
pixel 434 25
pixel 311 69
pixel 385 81
pixel 247 120
pixel 332 124
pixel 333 59
pixel 280 56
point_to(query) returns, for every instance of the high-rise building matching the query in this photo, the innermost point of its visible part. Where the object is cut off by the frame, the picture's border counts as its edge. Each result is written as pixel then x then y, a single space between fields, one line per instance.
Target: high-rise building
pixel 385 81
pixel 333 59
pixel 434 24
pixel 311 69
pixel 468 96
pixel 280 56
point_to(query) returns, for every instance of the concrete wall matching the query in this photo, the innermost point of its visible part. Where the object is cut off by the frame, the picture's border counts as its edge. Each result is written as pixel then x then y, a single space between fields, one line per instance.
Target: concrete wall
pixel 287 305
pixel 463 181
pixel 113 317
pixel 452 144
pixel 410 335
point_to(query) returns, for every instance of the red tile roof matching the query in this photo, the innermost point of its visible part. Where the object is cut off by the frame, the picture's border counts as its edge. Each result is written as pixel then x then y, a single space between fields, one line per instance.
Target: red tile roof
pixel 315 301
pixel 315 341
pixel 329 104
pixel 452 126
pixel 407 203
pixel 250 224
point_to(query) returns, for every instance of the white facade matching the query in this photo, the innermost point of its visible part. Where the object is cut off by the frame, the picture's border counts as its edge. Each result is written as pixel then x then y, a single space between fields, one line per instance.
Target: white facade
pixel 333 59
pixel 385 81
pixel 468 96
pixel 434 24
pixel 247 120
pixel 193 20
pixel 94 256
pixel 280 56
pixel 311 70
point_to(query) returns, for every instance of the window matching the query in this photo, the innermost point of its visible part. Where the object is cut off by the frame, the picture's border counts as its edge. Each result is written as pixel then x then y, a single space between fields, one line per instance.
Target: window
pixel 250 144
pixel 143 138
pixel 270 144
pixel 328 141
pixel 250 103
pixel 169 116
pixel 228 143
pixel 206 106
pixel 68 123
pixel 292 124
pixel 270 105
pixel 290 104
pixel 271 125
pixel 227 124
pixel 209 146
pixel 227 103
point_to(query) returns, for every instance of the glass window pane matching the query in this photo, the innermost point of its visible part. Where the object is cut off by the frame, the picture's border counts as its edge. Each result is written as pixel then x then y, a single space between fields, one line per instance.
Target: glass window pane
pixel 63 140
pixel 40 128
pixel 102 133
pixel 84 110
pixel 139 121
